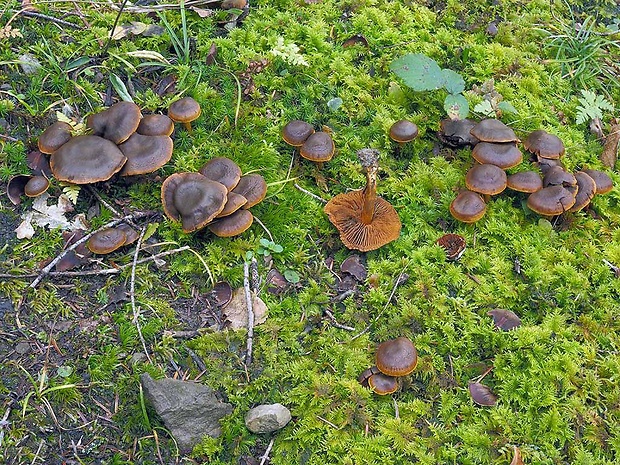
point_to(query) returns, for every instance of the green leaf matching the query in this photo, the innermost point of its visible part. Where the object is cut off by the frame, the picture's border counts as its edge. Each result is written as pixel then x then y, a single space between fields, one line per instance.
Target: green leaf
pixel 150 230
pixel 418 71
pixel 76 63
pixel 507 107
pixel 334 103
pixel 292 276
pixel 456 106
pixel 453 81
pixel 484 108
pixel 277 248
pixel 119 87
pixel 64 371
pixel 265 242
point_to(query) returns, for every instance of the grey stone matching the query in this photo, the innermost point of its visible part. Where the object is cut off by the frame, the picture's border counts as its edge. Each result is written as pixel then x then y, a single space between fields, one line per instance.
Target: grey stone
pixel 29 63
pixel 189 410
pixel 267 418
pixel 22 348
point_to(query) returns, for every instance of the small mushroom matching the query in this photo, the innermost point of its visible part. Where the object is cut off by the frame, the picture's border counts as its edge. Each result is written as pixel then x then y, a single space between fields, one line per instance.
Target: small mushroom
pixel 319 147
pixel 232 225
pixel 468 207
pixel 396 357
pixel 54 137
pixel 16 186
pixel 378 382
pixel 456 132
pixel 603 181
pixel 222 170
pixel 184 111
pixel 253 187
pixel 557 176
pixel 525 181
pixel 365 221
pixel 403 131
pixel 106 241
pixel 155 125
pixel 543 144
pixel 145 154
pixel 131 235
pixel 493 130
pixel 503 155
pixel 551 201
pixel 486 179
pixel 296 132
pixel 116 123
pixel 233 203
pixel 545 164
pixel 36 186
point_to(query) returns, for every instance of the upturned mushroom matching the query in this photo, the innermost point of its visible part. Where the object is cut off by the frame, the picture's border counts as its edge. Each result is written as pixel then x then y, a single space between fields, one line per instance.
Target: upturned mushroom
pixel 145 154
pixel 184 110
pixel 106 241
pixel 551 201
pixel 222 170
pixel 468 206
pixel 319 148
pixel 364 220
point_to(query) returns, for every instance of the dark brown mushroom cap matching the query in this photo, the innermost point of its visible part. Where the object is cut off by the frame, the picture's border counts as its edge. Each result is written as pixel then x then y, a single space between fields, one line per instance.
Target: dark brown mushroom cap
pixel 545 164
pixel 525 181
pixel 131 235
pixel 145 154
pixel 551 201
pixel 557 176
pixel 15 187
pixel 106 240
pixel 319 147
pixel 468 207
pixel 585 192
pixel 396 357
pixel 232 225
pixel 504 155
pixel 486 179
pixel 184 110
pixel 86 159
pixel 383 384
pixel 296 132
pixel 233 203
pixel 222 170
pixel 116 123
pixel 403 131
pixel 36 186
pixel 544 144
pixel 253 187
pixel 54 137
pixel 193 199
pixel 345 210
pixel 456 132
pixel 155 125
pixel 366 374
pixel 603 181
pixel 493 130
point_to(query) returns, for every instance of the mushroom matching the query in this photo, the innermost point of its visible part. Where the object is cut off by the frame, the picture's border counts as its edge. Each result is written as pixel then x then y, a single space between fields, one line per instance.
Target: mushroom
pixel 16 186
pixel 222 170
pixel 319 148
pixel 468 207
pixel 86 159
pixel 504 155
pixel 36 186
pixel 544 145
pixel 253 187
pixel 364 220
pixel 296 132
pixel 493 130
pixel 396 357
pixel 456 132
pixel 586 189
pixel 232 225
pixel 486 179
pixel 155 125
pixel 557 176
pixel 545 164
pixel 106 241
pixel 525 181
pixel 116 123
pixel 233 203
pixel 184 111
pixel 192 199
pixel 603 181
pixel 145 154
pixel 379 383
pixel 551 201
pixel 54 137
pixel 403 131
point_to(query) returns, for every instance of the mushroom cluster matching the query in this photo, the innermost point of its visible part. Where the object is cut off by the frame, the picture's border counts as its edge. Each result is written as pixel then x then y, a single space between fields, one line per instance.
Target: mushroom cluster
pixel 316 146
pixel 394 358
pixel 218 196
pixel 496 151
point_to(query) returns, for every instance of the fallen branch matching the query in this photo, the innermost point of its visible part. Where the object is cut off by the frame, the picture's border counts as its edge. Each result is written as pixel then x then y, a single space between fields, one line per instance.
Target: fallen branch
pixel 314 196
pixel 132 293
pixel 334 322
pixel 62 22
pixel 265 456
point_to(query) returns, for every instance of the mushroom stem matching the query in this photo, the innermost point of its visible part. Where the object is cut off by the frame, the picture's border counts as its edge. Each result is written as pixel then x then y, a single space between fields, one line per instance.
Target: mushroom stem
pixel 188 126
pixel 369 194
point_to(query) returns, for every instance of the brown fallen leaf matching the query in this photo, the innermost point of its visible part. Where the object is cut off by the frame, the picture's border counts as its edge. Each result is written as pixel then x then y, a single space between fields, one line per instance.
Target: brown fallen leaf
pixel 609 156
pixel 504 319
pixel 482 395
pixel 354 266
pixel 236 312
pixel 516 458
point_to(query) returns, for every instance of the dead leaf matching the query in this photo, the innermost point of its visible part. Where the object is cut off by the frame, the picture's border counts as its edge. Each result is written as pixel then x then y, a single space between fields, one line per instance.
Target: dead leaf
pixel 482 395
pixel 212 55
pixel 453 244
pixel 516 458
pixel 135 28
pixel 356 39
pixel 52 216
pixel 504 319
pixel 276 282
pixel 236 312
pixel 28 6
pixel 202 12
pixel 609 156
pixel 222 293
pixel 15 187
pixel 354 266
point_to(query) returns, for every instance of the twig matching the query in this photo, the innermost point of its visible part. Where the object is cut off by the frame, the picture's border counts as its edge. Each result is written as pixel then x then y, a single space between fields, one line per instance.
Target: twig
pixel 9 138
pixel 248 303
pixel 265 456
pixel 4 423
pixel 264 227
pixel 62 22
pixel 113 30
pixel 183 334
pixel 343 296
pixel 45 271
pixel 197 360
pixel 314 196
pixel 396 411
pixel 132 293
pixel 334 322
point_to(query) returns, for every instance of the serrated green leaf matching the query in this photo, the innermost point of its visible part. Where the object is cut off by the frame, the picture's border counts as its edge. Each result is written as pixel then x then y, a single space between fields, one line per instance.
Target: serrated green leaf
pixel 453 81
pixel 72 191
pixel 507 107
pixel 484 108
pixel 456 106
pixel 119 87
pixel 418 72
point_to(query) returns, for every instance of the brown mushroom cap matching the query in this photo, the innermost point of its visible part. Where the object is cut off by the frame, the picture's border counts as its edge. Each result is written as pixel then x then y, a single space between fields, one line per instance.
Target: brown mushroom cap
pixel 296 132
pixel 504 155
pixel 551 201
pixel 468 207
pixel 253 187
pixel 145 154
pixel 155 125
pixel 525 181
pixel 382 384
pixel 544 144
pixel 319 147
pixel 54 137
pixel 403 131
pixel 36 186
pixel 86 159
pixel 545 164
pixel 493 130
pixel 193 199
pixel 344 212
pixel 184 110
pixel 222 170
pixel 456 132
pixel 557 176
pixel 106 240
pixel 116 123
pixel 16 186
pixel 232 225
pixel 131 235
pixel 603 181
pixel 486 179
pixel 233 203
pixel 396 357
pixel 585 192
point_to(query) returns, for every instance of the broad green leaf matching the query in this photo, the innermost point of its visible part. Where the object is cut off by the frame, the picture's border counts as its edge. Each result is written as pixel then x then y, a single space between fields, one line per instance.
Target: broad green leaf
pixel 418 72
pixel 453 81
pixel 484 108
pixel 507 107
pixel 334 103
pixel 292 276
pixel 456 106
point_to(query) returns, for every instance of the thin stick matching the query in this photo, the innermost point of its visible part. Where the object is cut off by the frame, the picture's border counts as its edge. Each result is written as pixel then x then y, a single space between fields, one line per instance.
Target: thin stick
pixel 45 271
pixel 396 411
pixel 265 456
pixel 248 303
pixel 4 423
pixel 314 196
pixel 9 138
pixel 62 22
pixel 264 227
pixel 334 322
pixel 132 293
pixel 118 16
